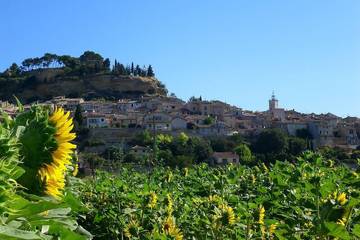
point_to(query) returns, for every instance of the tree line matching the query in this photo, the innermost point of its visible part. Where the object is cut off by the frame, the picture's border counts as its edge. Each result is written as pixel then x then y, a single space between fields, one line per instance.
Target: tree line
pixel 88 63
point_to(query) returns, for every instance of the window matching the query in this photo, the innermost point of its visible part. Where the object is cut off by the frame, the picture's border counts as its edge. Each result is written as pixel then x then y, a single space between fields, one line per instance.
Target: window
pixel 225 161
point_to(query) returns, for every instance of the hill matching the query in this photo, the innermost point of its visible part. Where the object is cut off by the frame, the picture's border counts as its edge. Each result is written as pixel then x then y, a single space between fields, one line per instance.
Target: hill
pixel 89 76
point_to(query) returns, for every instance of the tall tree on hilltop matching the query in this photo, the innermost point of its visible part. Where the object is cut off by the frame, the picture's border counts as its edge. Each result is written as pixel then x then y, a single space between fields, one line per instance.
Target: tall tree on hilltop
pixel 121 69
pixel 137 70
pixel 132 68
pixel 150 72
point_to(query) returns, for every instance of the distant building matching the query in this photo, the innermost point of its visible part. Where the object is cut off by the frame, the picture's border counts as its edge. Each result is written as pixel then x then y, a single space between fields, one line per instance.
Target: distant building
pixel 275 112
pixel 178 123
pixel 139 150
pixel 97 121
pixel 222 158
pixel 68 104
pixel 157 121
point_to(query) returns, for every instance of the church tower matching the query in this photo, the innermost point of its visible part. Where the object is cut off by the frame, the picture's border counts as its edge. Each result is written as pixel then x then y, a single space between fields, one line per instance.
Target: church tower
pixel 273 102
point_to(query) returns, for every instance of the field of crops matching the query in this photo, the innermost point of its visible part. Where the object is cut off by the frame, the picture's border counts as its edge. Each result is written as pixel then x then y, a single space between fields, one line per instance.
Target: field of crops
pixel 311 199
pixel 41 197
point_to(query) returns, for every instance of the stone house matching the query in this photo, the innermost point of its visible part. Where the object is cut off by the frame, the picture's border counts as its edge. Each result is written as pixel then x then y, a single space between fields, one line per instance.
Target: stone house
pixel 223 158
pixel 125 105
pixel 216 129
pixel 95 120
pixel 139 150
pixel 178 123
pixel 157 121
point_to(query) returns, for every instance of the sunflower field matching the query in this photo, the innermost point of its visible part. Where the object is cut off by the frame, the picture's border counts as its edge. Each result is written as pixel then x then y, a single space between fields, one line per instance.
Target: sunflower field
pixel 37 162
pixel 309 199
pixel 40 197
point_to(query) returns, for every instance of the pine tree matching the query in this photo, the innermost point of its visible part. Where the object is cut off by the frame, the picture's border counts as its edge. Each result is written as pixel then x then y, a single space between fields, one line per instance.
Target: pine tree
pixel 137 70
pixel 132 68
pixel 150 72
pixel 114 69
pixel 121 69
pixel 128 70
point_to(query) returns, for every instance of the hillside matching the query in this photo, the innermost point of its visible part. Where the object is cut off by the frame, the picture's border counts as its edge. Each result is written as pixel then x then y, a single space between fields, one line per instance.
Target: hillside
pixel 88 76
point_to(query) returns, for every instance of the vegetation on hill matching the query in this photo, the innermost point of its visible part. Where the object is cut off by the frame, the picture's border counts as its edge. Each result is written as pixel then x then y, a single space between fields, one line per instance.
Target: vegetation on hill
pixel 77 77
pixel 88 63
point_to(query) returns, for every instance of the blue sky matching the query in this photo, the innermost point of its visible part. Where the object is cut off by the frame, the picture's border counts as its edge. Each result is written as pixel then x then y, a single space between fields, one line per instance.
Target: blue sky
pixel 236 51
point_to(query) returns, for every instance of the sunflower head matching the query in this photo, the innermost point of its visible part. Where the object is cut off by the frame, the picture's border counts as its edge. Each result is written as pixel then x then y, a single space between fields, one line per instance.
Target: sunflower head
pixel 46 149
pixel 228 214
pixel 261 215
pixel 341 221
pixel 132 229
pixel 169 228
pixel 152 200
pixel 272 229
pixel 341 198
pixel 224 215
pixel 169 204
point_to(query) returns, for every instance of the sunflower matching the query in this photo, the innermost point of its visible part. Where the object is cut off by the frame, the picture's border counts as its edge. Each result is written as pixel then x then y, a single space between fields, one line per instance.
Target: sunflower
pixel 341 221
pixel 152 200
pixel 45 149
pixel 170 229
pixel 272 229
pixel 169 203
pixel 261 215
pixel 253 178
pixel 53 174
pixel 341 198
pixel 228 214
pixel 131 229
pixel 265 167
pixel 76 170
pixel 214 199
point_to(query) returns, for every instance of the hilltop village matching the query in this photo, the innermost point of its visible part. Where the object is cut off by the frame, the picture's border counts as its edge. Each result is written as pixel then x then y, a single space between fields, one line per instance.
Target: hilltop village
pixel 125 114
pixel 115 121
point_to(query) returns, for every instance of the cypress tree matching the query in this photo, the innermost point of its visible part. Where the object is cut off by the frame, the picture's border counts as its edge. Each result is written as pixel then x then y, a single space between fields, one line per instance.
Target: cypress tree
pixel 150 72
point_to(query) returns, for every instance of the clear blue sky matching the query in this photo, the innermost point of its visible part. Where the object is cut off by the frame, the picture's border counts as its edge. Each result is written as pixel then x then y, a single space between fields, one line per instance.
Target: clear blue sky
pixel 237 51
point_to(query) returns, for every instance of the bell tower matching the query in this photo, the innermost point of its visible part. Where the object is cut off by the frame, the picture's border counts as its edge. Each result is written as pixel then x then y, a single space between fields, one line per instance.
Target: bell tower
pixel 273 102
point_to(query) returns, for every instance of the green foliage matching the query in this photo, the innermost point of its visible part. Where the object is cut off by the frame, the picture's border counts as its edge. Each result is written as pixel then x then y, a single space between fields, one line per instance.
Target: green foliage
pixel 244 152
pixel 222 144
pixel 114 154
pixel 209 120
pixel 304 133
pixel 271 141
pixel 183 138
pixel 301 201
pixel 142 139
pixel 296 146
pixel 78 117
pixel 93 160
pixel 355 154
pixel 334 153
